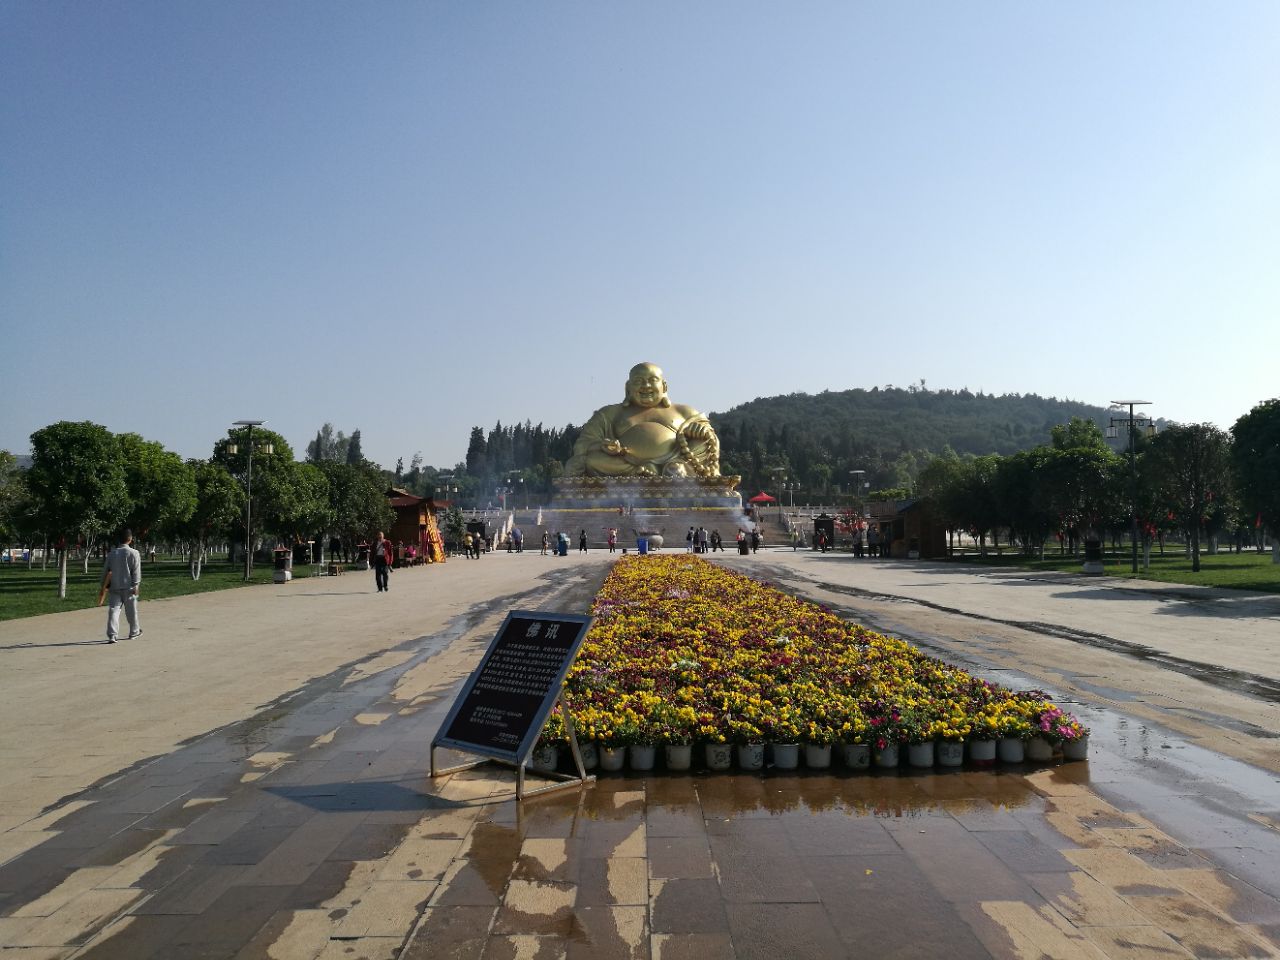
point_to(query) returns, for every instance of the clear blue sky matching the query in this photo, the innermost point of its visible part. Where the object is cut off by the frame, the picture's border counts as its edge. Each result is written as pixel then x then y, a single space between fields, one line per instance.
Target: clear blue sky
pixel 414 217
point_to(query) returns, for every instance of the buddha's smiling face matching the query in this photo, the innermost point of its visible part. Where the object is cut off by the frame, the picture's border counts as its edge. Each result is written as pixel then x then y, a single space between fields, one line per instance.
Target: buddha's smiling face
pixel 645 386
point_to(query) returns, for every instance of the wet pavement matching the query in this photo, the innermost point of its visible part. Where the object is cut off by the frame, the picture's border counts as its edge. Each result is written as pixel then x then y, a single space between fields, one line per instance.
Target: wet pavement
pixel 309 829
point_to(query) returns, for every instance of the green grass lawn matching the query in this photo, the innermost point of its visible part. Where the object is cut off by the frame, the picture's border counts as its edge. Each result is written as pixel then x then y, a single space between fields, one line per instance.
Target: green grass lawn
pixel 1241 571
pixel 28 593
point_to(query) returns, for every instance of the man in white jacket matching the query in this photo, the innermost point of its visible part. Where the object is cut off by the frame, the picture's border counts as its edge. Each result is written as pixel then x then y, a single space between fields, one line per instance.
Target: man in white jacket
pixel 122 575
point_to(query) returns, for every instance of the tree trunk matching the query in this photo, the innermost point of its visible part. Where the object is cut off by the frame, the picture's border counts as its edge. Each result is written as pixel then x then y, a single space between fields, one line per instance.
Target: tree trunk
pixel 1195 550
pixel 62 574
pixel 1275 551
pixel 1146 553
pixel 196 554
pixel 44 557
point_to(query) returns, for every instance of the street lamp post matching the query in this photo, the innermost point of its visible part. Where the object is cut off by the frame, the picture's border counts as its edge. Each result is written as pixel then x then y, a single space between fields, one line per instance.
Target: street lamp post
pixel 779 479
pixel 1132 422
pixel 233 449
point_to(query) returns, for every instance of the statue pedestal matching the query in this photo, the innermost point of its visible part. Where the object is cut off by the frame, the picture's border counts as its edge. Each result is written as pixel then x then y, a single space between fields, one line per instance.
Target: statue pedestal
pixel 645 493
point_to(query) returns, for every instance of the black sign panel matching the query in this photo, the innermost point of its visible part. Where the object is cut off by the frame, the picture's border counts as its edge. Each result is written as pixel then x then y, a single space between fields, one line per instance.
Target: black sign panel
pixel 504 704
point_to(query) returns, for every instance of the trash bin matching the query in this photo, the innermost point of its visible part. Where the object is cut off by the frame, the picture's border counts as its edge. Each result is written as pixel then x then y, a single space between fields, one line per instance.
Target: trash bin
pixel 744 547
pixel 564 548
pixel 1093 551
pixel 284 566
pixel 642 545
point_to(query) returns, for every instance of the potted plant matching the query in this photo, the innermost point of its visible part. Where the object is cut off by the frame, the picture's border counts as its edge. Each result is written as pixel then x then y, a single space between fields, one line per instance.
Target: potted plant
pixel 1065 731
pixel 951 729
pixel 783 732
pixel 673 727
pixel 1014 726
pixel 816 730
pixel 885 721
pixel 546 752
pixel 917 731
pixel 852 730
pixel 614 741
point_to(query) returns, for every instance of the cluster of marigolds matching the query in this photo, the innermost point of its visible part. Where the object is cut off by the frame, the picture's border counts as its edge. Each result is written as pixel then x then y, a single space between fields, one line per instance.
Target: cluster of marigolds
pixel 685 652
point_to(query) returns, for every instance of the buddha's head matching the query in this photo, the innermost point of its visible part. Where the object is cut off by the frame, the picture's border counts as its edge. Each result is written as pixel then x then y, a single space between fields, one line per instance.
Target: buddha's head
pixel 645 386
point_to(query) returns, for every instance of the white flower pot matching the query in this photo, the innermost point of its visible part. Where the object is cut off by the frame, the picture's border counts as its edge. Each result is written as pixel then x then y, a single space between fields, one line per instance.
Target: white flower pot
pixel 817 756
pixel 751 756
pixel 888 757
pixel 719 756
pixel 982 753
pixel 920 754
pixel 612 758
pixel 950 753
pixel 1076 749
pixel 786 756
pixel 590 754
pixel 857 756
pixel 544 759
pixel 1039 750
pixel 1010 750
pixel 642 755
pixel 679 756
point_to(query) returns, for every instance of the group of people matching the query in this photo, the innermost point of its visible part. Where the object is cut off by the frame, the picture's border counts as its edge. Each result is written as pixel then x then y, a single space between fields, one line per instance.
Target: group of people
pixel 871 547
pixel 697 540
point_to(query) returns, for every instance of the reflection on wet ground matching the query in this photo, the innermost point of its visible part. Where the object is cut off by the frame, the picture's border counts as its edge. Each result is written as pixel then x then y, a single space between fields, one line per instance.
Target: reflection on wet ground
pixel 327 845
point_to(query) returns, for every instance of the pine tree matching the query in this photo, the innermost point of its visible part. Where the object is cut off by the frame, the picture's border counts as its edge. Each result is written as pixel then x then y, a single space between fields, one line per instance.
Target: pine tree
pixel 355 456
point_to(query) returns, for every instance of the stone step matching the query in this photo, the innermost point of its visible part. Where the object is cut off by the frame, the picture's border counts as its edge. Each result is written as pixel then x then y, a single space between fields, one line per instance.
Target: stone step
pixel 672 523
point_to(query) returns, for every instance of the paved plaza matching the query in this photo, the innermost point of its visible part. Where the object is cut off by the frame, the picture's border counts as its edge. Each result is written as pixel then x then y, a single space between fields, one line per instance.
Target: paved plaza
pixel 249 780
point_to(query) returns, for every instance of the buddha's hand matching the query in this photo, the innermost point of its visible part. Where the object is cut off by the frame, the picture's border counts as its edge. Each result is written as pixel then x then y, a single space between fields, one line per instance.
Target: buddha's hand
pixel 613 447
pixel 698 430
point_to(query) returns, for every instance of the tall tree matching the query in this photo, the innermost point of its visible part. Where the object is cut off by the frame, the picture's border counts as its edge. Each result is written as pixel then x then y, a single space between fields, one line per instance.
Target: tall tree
pixel 219 504
pixel 275 483
pixel 1256 457
pixel 355 456
pixel 11 493
pixel 1195 462
pixel 357 502
pixel 476 453
pixel 77 485
pixel 162 487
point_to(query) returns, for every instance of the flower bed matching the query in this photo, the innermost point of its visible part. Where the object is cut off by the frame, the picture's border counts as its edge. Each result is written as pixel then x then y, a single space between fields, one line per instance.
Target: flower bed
pixel 685 652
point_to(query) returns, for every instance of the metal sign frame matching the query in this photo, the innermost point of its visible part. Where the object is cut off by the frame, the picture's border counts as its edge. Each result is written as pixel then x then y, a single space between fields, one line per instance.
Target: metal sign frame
pixel 519 757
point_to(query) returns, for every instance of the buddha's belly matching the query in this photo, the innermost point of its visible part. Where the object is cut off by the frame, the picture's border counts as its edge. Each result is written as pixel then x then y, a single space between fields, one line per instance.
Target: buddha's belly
pixel 649 441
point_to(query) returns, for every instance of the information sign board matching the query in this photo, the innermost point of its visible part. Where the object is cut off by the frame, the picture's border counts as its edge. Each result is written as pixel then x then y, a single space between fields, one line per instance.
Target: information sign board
pixel 505 702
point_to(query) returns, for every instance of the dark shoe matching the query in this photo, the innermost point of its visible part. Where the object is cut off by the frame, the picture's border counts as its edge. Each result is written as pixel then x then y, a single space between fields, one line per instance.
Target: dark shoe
pixel 135 636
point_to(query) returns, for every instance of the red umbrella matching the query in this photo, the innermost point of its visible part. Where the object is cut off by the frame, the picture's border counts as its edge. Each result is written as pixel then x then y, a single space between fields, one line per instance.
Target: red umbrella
pixel 762 497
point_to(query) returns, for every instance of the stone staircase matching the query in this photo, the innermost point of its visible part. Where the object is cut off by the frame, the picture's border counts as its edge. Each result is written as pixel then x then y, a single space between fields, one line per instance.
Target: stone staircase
pixel 672 523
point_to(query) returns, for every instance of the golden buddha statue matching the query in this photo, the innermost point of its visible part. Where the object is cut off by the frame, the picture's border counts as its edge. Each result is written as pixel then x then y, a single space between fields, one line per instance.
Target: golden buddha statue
pixel 646 436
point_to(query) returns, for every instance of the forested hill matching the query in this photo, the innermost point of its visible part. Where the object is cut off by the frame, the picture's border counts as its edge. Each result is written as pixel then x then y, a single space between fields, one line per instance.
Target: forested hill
pixel 887 431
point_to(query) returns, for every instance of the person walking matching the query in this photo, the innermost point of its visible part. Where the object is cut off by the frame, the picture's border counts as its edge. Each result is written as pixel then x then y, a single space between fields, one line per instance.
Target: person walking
pixel 518 535
pixel 755 539
pixel 121 577
pixel 702 539
pixel 613 537
pixel 716 542
pixel 380 554
pixel 688 541
pixel 582 541
pixel 546 540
